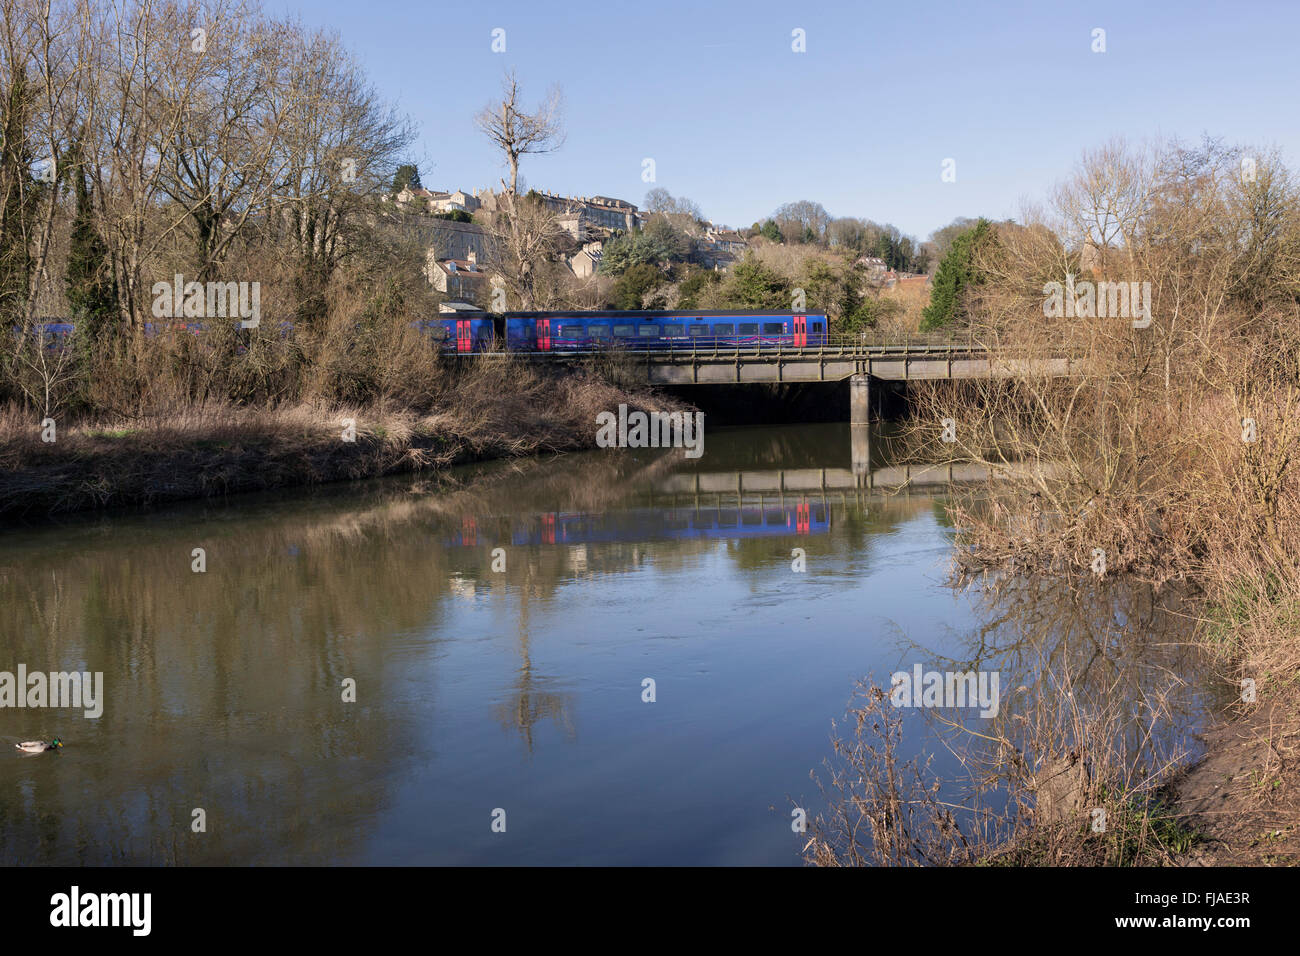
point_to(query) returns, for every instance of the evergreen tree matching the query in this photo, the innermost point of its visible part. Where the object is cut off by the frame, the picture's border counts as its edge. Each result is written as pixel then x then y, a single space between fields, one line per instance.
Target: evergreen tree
pixel 90 287
pixel 407 175
pixel 771 232
pixel 20 193
pixel 643 247
pixel 956 273
pixel 634 284
pixel 751 285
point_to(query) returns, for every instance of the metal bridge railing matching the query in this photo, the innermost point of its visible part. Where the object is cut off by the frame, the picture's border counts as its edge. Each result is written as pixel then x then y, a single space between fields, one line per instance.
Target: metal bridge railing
pixel 830 346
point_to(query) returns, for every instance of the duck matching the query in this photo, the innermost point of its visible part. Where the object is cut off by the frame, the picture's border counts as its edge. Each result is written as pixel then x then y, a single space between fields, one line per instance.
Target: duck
pixel 39 746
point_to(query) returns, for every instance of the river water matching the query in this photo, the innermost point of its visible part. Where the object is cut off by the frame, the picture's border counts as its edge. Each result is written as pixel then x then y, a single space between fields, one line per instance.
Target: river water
pixel 375 673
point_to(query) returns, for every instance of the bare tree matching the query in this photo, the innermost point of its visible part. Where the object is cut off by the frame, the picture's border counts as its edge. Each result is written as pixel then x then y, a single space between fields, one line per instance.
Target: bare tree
pixel 525 234
pixel 516 132
pixel 339 147
pixel 226 161
pixel 144 78
pixel 794 217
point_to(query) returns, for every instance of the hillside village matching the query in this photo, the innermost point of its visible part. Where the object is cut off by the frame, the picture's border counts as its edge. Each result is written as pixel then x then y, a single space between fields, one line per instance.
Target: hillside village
pixel 454 228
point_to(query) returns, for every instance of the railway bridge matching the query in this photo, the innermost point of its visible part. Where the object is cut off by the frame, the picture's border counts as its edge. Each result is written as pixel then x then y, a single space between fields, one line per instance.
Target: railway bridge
pixel 862 359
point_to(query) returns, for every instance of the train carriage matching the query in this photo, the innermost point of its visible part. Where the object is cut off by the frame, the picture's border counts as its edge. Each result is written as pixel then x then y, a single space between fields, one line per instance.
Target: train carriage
pixel 461 334
pixel 586 331
pixel 51 334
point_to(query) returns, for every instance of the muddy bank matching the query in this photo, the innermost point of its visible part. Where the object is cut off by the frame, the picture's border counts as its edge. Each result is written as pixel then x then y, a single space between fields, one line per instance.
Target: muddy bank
pixel 1242 798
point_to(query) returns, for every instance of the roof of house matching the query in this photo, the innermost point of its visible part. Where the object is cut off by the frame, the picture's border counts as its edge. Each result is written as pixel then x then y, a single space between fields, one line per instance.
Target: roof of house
pixel 461 267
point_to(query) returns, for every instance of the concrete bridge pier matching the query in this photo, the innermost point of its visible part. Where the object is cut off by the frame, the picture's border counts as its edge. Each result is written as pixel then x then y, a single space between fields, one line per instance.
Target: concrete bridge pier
pixel 860 442
pixel 860 400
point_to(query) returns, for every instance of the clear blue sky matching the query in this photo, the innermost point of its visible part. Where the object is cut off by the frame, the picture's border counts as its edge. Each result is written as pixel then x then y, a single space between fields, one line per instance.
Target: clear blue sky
pixel 861 122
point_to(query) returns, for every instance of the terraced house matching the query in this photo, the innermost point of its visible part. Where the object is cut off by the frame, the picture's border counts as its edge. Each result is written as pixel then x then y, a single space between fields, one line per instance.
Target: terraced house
pixel 583 217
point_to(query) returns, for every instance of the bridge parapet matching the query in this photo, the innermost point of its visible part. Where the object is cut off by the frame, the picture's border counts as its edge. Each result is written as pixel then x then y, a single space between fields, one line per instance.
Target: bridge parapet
pixel 891 357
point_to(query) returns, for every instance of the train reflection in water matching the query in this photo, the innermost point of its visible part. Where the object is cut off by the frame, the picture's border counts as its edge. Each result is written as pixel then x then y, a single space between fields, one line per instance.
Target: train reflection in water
pixel 721 520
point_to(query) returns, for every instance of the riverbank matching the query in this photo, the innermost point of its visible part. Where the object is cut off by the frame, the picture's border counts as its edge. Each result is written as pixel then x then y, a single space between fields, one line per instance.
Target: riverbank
pixel 1238 802
pixel 1241 799
pixel 212 450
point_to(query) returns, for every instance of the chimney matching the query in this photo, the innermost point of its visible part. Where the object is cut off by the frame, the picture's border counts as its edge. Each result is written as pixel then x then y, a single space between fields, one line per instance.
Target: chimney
pixel 472 256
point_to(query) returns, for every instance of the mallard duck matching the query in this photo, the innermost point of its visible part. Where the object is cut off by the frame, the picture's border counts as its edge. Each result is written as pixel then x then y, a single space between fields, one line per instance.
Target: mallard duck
pixel 39 746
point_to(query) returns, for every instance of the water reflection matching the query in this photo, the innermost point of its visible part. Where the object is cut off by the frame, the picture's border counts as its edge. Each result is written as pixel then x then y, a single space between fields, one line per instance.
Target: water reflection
pixel 484 678
pixel 1080 663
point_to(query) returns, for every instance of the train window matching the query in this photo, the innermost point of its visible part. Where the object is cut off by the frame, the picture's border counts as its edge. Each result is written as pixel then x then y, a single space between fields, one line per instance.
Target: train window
pixel 624 331
pixel 698 330
pixel 773 328
pixel 748 328
pixel 598 331
pixel 724 328
pixel 648 330
pixel 816 326
pixel 438 331
pixel 674 331
pixel 571 331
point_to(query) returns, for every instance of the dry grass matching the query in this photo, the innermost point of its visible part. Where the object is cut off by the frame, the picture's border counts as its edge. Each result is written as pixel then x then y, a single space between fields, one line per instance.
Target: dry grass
pixel 490 409
pixel 1074 768
pixel 913 298
pixel 1140 465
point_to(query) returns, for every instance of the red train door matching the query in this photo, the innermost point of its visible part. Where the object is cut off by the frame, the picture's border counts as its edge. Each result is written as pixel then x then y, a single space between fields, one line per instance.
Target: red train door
pixel 463 341
pixel 803 519
pixel 801 331
pixel 544 334
pixel 548 525
pixel 468 530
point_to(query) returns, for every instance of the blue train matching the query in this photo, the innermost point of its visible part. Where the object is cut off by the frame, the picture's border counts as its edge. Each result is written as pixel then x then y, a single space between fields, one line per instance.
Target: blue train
pixel 54 334
pixel 571 331
pixel 652 524
pixel 587 331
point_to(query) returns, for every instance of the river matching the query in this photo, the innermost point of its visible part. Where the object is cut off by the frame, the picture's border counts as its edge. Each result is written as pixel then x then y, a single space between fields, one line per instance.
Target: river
pixel 376 673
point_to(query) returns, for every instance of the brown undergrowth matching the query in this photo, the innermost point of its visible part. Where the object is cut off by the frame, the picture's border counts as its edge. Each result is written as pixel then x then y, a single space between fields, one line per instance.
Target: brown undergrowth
pixel 496 408
pixel 1158 450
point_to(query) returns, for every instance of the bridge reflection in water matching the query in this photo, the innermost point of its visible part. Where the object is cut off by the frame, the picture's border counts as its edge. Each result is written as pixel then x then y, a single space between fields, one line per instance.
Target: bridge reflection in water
pixel 749 502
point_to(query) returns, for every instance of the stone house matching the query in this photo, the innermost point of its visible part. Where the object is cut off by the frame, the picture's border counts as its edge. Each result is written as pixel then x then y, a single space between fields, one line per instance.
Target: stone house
pixel 587 261
pixel 461 280
pixel 461 200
